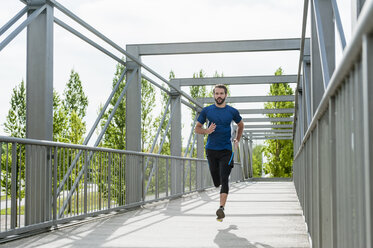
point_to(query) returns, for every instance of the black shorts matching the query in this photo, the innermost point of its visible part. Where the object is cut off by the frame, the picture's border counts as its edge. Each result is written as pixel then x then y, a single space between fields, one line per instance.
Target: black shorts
pixel 220 164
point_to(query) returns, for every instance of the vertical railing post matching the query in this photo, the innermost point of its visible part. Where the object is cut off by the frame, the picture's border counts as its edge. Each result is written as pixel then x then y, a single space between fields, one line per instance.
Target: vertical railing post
pixel 85 180
pixel 13 215
pixel 110 164
pixel 247 157
pixel 367 61
pixel 156 178
pixel 39 113
pixel 251 159
pixel 333 164
pixel 167 186
pixel 55 175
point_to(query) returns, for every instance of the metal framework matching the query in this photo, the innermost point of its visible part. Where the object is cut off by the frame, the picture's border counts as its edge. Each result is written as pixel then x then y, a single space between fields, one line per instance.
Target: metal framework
pixel 333 142
pixel 331 128
pixel 235 80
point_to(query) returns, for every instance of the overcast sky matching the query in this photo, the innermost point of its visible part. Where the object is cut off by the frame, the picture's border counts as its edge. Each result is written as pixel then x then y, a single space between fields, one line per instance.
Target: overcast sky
pixel 149 21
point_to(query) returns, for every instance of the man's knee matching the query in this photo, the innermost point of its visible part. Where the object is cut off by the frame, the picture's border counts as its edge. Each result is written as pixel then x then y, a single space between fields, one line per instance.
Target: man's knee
pixel 224 189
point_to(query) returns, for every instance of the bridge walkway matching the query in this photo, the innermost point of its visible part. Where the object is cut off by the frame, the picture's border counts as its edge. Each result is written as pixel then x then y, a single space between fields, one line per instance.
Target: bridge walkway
pixel 258 214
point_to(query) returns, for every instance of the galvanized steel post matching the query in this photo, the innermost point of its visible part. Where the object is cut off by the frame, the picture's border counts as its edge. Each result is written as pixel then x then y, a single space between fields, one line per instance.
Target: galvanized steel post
pixel 176 168
pixel 133 129
pixel 39 112
pixel 316 83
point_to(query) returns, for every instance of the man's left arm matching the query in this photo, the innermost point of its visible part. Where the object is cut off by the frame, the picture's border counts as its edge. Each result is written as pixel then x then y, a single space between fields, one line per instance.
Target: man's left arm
pixel 238 133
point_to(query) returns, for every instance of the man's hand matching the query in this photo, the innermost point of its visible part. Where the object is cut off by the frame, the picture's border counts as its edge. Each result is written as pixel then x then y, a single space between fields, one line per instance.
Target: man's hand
pixel 236 143
pixel 211 128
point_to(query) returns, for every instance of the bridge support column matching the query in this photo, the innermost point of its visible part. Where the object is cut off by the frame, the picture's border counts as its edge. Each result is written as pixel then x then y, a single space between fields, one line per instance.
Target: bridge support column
pixel 326 33
pixel 134 187
pixel 39 112
pixel 176 166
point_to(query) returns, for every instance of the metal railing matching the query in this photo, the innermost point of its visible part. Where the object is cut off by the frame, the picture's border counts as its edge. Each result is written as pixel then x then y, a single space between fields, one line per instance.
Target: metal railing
pixel 100 190
pixel 333 162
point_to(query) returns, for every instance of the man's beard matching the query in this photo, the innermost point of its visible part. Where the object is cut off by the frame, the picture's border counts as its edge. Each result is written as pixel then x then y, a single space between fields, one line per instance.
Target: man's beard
pixel 219 100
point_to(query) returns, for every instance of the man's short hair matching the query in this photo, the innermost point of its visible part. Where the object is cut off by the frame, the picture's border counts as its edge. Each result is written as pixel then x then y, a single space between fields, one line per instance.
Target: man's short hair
pixel 221 86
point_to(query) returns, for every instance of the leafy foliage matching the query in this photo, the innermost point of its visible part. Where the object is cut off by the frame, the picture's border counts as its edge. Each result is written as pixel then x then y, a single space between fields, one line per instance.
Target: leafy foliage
pixel 75 98
pixel 257 160
pixel 115 135
pixel 15 124
pixel 147 106
pixel 279 153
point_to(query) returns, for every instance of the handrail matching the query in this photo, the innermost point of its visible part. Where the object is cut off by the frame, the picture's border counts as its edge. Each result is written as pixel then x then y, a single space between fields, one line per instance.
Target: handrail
pixel 86 147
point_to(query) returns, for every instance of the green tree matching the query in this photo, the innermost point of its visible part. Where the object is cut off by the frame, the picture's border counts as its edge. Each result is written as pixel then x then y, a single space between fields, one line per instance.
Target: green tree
pixel 60 120
pixel 197 91
pixel 15 124
pixel 147 106
pixel 75 98
pixel 115 134
pixel 164 99
pixel 257 160
pixel 75 104
pixel 279 153
pixel 114 137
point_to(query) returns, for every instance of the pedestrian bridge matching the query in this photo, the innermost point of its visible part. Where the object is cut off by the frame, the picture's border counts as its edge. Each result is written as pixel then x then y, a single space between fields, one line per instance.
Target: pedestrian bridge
pixel 260 214
pixel 95 196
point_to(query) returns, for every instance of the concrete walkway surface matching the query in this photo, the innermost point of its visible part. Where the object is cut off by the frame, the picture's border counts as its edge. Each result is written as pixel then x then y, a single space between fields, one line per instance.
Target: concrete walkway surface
pixel 258 215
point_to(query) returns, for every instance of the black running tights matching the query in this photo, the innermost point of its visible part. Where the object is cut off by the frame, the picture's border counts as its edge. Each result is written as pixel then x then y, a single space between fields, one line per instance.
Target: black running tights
pixel 220 163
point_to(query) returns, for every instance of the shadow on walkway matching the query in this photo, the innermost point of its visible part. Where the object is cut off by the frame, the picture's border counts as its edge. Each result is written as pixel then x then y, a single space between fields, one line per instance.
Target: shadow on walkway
pixel 225 238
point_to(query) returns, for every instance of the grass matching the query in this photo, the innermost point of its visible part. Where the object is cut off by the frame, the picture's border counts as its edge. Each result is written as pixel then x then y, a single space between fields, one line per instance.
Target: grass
pixel 9 209
pixel 92 201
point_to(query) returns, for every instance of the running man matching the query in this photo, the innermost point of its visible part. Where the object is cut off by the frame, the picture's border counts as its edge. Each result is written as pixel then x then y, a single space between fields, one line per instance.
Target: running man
pixel 219 146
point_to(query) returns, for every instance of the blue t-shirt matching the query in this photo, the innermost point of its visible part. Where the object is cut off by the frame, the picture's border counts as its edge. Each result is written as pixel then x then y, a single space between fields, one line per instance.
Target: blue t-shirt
pixel 220 139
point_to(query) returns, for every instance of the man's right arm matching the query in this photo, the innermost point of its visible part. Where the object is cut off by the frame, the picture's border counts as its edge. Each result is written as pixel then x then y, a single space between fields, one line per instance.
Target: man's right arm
pixel 200 130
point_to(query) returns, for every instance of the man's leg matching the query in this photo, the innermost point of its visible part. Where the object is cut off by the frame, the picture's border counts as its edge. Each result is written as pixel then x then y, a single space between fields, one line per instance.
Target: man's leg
pixel 223 199
pixel 213 166
pixel 225 170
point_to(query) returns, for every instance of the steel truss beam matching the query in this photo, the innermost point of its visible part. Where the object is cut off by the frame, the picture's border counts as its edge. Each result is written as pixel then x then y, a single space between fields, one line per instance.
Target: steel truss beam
pixel 218 47
pixel 24 24
pixel 269 126
pixel 13 20
pixel 272 138
pixel 245 99
pixel 235 80
pixel 118 48
pixel 279 119
pixel 270 134
pixel 266 111
pixel 248 131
